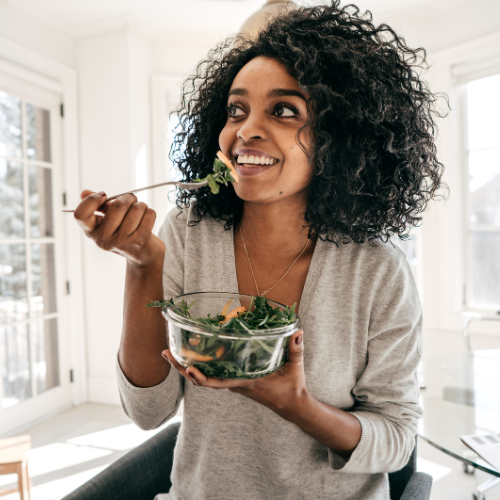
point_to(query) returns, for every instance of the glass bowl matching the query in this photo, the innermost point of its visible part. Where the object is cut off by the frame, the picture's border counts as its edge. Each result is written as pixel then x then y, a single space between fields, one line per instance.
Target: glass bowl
pixel 227 354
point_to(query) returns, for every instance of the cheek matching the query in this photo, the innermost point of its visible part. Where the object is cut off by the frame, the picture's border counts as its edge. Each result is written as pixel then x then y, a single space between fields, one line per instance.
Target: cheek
pixel 226 138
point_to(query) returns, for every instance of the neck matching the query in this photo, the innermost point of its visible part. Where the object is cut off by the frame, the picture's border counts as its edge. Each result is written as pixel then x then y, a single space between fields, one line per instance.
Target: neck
pixel 275 225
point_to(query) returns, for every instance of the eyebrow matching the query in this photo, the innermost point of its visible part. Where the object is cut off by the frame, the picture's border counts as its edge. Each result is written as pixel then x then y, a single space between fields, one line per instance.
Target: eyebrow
pixel 272 93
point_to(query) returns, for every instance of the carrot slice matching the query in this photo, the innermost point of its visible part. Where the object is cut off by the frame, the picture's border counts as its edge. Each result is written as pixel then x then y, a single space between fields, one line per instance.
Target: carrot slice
pixel 228 164
pixel 226 308
pixel 234 313
pixel 194 356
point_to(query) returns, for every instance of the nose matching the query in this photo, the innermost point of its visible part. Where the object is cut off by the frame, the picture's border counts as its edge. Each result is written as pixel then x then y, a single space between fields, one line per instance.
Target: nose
pixel 253 127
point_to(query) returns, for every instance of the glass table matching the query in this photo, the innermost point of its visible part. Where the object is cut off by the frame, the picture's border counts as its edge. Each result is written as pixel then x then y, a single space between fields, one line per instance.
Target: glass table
pixel 460 395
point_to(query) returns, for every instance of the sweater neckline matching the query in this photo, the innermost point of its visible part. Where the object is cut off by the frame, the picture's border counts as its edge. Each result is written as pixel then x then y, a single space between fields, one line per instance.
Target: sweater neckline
pixel 228 271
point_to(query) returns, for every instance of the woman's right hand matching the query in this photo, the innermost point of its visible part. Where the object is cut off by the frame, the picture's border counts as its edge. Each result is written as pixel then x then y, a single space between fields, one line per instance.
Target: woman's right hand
pixel 125 229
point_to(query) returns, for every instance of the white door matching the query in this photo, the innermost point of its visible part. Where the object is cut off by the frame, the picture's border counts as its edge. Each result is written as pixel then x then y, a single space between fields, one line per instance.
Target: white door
pixel 34 350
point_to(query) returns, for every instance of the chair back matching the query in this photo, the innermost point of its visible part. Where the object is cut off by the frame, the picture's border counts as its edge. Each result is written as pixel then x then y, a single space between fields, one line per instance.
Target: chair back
pixel 399 479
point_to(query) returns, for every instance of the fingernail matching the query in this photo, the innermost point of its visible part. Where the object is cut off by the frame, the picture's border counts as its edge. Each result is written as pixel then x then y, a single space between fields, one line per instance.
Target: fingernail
pixel 298 340
pixel 102 193
pixel 165 357
pixel 191 376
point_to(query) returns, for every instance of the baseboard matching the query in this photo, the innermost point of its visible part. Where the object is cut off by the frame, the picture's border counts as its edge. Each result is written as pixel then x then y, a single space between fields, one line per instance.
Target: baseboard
pixel 103 391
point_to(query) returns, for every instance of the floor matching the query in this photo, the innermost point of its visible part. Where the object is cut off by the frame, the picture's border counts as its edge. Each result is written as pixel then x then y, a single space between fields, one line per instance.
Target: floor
pixel 70 448
pixel 73 446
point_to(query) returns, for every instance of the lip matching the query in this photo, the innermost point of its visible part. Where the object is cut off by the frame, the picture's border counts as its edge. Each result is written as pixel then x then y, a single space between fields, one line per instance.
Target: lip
pixel 243 171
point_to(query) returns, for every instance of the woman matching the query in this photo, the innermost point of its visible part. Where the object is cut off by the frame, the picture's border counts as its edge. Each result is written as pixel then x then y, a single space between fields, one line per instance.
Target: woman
pixel 330 130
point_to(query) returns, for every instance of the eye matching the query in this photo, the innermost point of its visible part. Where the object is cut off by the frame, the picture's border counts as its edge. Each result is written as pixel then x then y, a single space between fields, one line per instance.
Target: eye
pixel 285 110
pixel 234 111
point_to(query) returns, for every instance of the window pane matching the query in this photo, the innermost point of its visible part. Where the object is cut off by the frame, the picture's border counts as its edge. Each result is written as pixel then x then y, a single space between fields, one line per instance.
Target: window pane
pixel 43 300
pixel 483 99
pixel 174 128
pixel 40 201
pixel 11 200
pixel 15 362
pixel 37 133
pixel 484 167
pixel 10 126
pixel 46 367
pixel 13 294
pixel 486 269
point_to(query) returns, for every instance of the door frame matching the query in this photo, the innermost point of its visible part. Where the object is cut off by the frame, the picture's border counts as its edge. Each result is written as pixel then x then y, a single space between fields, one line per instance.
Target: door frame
pixel 51 75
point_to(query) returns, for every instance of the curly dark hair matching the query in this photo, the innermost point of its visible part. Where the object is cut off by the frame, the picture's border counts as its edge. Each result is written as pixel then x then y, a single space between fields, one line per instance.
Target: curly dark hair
pixel 373 119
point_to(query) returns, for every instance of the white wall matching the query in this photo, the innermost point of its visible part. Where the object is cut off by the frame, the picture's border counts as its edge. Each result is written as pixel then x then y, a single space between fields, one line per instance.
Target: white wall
pixel 179 56
pixel 30 32
pixel 114 132
pixel 440 25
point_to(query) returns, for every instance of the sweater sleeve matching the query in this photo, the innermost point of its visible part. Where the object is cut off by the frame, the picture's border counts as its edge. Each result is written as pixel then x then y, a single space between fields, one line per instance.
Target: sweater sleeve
pixel 386 393
pixel 149 407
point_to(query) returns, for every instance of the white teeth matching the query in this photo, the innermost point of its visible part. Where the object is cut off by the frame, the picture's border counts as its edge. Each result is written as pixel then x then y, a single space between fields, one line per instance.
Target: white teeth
pixel 255 160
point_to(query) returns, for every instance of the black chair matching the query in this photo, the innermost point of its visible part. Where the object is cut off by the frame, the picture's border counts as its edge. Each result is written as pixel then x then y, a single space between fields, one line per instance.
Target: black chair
pixel 144 472
pixel 407 483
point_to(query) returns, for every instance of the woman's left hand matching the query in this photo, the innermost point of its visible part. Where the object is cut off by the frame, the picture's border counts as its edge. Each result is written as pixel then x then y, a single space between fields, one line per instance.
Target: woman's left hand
pixel 282 391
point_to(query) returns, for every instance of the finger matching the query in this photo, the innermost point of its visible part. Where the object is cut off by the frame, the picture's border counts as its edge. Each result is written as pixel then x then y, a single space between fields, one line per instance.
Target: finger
pixel 146 224
pixel 181 369
pixel 213 383
pixel 115 214
pixel 197 378
pixel 296 349
pixel 84 213
pixel 133 219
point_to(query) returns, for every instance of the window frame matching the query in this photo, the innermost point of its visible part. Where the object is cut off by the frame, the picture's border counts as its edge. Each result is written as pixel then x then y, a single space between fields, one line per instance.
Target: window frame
pixel 463 76
pixel 165 96
pixel 51 75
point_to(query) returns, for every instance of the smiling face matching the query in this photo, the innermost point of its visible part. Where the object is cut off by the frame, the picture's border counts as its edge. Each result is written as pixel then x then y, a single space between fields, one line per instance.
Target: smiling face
pixel 266 110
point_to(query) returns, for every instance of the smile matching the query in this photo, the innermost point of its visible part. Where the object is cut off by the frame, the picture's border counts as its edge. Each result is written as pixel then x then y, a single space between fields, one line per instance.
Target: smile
pixel 255 160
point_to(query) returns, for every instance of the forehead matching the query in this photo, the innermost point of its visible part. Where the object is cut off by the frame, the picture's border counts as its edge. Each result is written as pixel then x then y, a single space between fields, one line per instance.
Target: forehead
pixel 263 73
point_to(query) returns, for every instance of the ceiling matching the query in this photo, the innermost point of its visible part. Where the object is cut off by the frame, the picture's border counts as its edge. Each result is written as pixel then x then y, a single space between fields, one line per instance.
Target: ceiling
pixel 161 17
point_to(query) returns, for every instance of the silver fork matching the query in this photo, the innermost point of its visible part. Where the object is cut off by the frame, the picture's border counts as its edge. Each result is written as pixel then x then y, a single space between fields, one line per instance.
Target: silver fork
pixel 183 185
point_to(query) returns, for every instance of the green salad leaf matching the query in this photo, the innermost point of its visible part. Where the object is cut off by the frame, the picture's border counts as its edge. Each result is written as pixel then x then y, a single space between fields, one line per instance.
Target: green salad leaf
pixel 221 175
pixel 259 316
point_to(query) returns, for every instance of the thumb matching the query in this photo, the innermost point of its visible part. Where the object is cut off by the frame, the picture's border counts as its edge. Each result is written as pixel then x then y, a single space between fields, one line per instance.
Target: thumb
pixel 85 193
pixel 296 348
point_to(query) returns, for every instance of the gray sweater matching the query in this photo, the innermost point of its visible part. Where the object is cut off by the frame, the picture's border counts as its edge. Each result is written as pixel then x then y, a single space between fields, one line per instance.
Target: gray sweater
pixel 362 323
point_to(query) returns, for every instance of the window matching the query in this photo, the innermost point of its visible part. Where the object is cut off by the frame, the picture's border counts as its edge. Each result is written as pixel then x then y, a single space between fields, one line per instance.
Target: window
pixel 165 97
pixel 29 357
pixel 482 190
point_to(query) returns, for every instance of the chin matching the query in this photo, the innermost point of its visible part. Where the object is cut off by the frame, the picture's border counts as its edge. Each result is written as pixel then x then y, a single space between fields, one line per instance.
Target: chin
pixel 255 195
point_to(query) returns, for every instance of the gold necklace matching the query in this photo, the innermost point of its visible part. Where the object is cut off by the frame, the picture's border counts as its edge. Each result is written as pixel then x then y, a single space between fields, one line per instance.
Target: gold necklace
pixel 253 274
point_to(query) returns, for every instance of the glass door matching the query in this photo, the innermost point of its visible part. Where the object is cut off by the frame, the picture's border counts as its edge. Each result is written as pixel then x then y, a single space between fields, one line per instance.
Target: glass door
pixel 31 350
